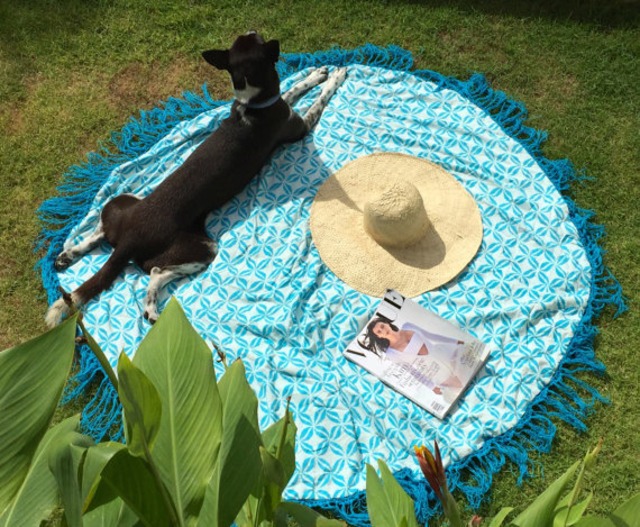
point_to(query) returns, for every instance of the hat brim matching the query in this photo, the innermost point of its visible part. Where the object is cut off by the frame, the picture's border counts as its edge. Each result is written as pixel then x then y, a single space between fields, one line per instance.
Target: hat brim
pixel 344 245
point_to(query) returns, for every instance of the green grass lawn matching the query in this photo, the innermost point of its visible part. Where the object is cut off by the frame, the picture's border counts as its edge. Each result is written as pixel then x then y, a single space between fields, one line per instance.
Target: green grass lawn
pixel 73 71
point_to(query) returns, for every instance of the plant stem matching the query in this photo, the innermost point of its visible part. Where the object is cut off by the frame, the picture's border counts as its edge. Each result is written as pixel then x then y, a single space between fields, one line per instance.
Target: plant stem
pixel 283 436
pixel 222 356
pixel 102 359
pixel 451 509
pixel 257 512
pixel 588 460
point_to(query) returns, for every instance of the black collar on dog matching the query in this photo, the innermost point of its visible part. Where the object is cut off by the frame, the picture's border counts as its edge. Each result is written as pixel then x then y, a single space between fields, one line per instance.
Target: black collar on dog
pixel 264 104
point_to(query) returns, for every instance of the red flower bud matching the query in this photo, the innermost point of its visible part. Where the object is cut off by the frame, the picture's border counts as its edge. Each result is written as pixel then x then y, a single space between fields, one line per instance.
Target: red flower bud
pixel 432 469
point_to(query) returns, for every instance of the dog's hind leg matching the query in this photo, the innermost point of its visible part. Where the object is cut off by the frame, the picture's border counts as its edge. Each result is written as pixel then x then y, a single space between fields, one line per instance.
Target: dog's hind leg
pixel 92 287
pixel 316 77
pixel 108 229
pixel 190 254
pixel 334 81
pixel 68 256
pixel 161 276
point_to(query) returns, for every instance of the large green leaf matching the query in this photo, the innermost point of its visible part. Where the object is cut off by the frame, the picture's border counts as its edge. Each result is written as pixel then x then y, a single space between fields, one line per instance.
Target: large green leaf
pixel 278 461
pixel 307 517
pixel 65 461
pixel 541 512
pixel 626 515
pixel 32 377
pixel 239 466
pixel 95 460
pixel 629 512
pixel 141 405
pixel 112 514
pixel 499 518
pixel 132 479
pixel 387 502
pixel 180 365
pixel 565 517
pixel 595 521
pixel 280 441
pixel 274 481
pixel 107 509
pixel 38 493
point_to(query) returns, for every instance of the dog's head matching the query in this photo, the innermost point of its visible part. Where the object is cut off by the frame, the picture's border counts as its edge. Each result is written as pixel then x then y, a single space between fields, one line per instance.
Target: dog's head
pixel 251 63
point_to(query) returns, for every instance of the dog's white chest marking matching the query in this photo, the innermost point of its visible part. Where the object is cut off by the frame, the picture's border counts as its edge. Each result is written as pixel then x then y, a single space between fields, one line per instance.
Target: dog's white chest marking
pixel 247 93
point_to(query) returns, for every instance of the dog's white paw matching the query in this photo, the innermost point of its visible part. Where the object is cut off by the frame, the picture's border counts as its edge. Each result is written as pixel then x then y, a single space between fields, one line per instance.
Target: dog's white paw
pixel 338 76
pixel 151 315
pixel 62 261
pixel 58 310
pixel 319 74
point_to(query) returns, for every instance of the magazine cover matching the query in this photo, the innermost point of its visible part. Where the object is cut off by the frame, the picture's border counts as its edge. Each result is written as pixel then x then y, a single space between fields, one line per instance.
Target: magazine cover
pixel 419 354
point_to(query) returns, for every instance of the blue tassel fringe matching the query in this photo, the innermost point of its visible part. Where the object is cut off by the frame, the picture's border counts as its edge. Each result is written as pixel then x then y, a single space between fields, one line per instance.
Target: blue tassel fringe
pixel 567 397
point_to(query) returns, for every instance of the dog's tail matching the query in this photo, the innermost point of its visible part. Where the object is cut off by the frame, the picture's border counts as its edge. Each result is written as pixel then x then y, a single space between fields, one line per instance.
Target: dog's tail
pixel 92 287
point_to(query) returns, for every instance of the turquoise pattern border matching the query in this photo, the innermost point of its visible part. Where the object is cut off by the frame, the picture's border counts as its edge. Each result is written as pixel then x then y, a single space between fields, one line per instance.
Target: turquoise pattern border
pixel 472 476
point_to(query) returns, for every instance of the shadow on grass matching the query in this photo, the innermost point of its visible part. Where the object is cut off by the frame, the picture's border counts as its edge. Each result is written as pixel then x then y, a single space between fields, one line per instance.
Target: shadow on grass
pixel 603 14
pixel 35 23
pixel 34 32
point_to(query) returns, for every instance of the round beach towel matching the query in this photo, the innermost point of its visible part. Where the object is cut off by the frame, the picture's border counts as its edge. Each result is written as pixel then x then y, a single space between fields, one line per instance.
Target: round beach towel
pixel 529 294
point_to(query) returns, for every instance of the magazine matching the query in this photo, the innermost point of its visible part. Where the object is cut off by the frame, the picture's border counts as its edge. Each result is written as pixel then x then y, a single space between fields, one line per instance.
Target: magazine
pixel 418 353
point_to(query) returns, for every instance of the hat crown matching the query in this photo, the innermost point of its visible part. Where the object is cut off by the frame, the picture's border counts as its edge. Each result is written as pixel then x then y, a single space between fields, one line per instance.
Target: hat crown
pixel 397 217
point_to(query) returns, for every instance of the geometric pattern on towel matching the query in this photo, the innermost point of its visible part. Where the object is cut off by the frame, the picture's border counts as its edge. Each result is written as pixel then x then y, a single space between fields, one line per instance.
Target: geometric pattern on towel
pixel 269 299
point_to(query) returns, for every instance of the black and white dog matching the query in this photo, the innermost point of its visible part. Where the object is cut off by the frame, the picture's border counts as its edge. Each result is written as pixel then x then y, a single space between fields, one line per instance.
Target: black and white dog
pixel 164 233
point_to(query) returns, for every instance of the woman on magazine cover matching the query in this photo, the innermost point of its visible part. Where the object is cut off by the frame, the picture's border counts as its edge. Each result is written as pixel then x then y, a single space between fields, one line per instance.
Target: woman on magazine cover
pixel 437 354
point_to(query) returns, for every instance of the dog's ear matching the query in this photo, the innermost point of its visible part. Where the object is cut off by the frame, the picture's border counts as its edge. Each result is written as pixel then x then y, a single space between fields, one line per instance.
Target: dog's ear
pixel 272 49
pixel 218 58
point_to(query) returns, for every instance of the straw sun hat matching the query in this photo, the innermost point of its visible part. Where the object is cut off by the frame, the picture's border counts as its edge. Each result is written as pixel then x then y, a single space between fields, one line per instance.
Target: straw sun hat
pixel 394 221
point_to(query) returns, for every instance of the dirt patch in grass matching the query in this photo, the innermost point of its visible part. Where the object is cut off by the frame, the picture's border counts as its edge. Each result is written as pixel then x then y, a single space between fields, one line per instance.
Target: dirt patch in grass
pixel 556 86
pixel 14 121
pixel 14 112
pixel 141 85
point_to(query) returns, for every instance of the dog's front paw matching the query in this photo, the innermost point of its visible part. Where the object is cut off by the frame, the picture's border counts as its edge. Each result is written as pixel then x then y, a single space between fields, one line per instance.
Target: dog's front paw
pixel 62 261
pixel 339 75
pixel 319 74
